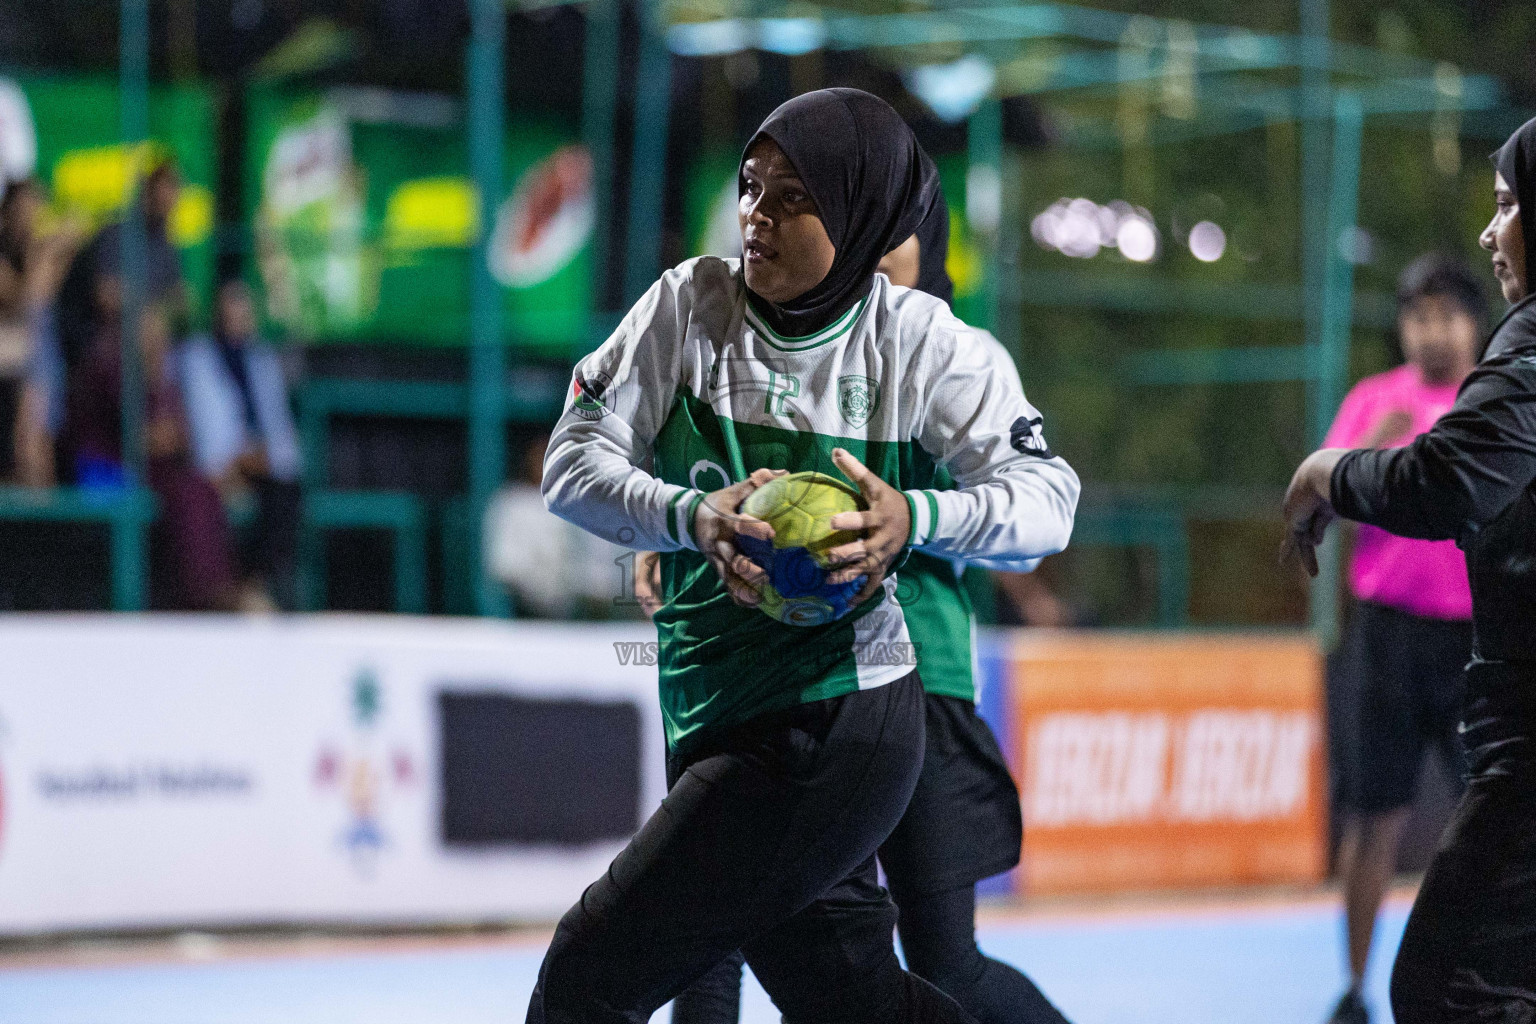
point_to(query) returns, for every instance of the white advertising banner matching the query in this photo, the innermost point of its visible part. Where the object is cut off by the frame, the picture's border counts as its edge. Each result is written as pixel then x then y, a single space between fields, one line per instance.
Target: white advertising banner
pixel 170 771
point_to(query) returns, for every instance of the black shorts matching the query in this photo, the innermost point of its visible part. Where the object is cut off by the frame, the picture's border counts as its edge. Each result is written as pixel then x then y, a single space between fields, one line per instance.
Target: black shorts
pixel 963 822
pixel 1396 691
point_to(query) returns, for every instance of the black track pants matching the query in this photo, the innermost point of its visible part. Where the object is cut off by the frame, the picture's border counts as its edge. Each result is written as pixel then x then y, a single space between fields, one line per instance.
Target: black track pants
pixel 938 934
pixel 765 843
pixel 1469 952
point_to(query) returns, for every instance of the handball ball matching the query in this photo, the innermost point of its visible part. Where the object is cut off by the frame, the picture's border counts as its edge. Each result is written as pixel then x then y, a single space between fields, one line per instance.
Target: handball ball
pixel 798 507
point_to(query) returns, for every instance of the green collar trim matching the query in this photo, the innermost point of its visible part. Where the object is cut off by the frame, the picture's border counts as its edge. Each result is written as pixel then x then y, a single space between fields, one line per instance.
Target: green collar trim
pixel 842 325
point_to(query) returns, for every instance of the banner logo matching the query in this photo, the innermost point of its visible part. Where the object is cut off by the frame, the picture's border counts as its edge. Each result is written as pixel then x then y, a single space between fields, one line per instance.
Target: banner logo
pixel 546 221
pixel 366 773
pixel 1169 761
pixel 1111 768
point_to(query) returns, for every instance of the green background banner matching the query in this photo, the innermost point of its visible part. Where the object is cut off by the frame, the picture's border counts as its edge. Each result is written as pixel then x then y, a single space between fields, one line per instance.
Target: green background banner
pixel 90 173
pixel 364 219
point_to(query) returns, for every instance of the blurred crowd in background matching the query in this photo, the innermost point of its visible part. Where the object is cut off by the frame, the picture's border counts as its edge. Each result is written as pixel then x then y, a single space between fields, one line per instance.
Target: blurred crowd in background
pixel 216 424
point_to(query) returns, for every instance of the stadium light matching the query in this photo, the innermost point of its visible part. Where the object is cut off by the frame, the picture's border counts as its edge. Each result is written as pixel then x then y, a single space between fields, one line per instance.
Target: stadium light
pixel 1081 228
pixel 1207 242
pixel 953 91
pixel 1137 239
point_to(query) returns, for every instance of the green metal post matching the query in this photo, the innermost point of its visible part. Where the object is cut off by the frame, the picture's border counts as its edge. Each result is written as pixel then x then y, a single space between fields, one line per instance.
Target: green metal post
pixel 599 99
pixel 1338 290
pixel 1006 252
pixel 128 568
pixel 127 539
pixel 648 167
pixel 984 142
pixel 1332 360
pixel 1173 573
pixel 1319 248
pixel 410 566
pixel 487 357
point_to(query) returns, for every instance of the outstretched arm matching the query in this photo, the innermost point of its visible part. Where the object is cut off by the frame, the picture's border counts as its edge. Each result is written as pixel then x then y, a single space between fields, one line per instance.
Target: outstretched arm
pixel 1468 468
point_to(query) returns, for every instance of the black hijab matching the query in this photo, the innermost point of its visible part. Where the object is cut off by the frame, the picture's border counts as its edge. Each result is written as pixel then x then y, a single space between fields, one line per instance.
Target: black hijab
pixel 933 251
pixel 871 183
pixel 1516 161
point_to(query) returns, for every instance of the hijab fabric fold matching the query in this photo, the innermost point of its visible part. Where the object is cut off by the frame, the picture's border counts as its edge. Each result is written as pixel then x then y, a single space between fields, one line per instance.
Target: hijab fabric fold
pixel 1516 161
pixel 872 185
pixel 933 251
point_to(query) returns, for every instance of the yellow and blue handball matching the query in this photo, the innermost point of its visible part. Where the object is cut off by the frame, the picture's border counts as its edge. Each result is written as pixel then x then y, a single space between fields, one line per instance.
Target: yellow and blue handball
pixel 799 507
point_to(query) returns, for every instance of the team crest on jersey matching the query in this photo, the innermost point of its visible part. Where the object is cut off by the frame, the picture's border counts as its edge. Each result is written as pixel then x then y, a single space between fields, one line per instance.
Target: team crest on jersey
pixel 857 399
pixel 590 395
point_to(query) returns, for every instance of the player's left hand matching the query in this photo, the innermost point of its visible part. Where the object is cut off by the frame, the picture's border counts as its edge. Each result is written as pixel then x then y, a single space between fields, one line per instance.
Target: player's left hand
pixel 1308 507
pixel 887 524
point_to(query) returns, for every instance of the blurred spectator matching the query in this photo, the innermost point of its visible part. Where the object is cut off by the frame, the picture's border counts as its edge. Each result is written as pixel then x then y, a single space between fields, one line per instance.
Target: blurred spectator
pixel 32 265
pixel 79 311
pixel 192 562
pixel 554 569
pixel 243 436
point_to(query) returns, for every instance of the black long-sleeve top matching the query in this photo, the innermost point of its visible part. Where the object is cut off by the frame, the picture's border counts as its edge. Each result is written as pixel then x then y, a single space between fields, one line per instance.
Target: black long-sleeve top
pixel 1471 478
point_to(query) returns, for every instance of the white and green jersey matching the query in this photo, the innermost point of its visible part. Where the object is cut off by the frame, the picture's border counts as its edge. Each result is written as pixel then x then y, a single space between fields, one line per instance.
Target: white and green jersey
pixel 694 391
pixel 933 598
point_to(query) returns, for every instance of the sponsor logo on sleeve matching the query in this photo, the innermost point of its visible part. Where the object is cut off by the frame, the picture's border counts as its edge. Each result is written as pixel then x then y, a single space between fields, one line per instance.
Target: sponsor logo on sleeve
pixel 1026 438
pixel 589 395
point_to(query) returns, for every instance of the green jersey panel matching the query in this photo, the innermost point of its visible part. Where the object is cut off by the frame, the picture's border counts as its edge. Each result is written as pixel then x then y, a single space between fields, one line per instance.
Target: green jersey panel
pixel 939 620
pixel 719 663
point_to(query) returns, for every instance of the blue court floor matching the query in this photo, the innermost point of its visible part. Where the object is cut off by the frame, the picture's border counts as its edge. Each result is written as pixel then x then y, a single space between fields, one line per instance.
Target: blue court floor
pixel 1270 964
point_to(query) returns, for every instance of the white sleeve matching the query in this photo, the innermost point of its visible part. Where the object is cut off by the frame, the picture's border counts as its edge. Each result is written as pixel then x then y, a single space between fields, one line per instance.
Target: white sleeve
pixel 597 469
pixel 1015 499
pixel 1001 358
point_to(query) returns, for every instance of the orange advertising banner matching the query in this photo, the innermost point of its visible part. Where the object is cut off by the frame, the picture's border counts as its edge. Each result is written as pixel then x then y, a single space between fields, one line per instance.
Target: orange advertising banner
pixel 1151 761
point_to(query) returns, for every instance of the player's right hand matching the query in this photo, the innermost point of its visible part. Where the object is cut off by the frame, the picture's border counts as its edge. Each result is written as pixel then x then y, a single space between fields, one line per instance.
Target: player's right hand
pixel 1308 509
pixel 717 523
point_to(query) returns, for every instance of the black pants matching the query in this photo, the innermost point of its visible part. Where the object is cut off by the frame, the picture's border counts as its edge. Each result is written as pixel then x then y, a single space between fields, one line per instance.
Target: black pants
pixel 938 934
pixel 961 825
pixel 766 844
pixel 1469 952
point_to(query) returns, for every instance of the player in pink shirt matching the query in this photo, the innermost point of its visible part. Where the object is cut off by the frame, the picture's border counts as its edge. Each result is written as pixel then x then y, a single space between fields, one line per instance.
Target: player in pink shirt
pixel 1399 686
